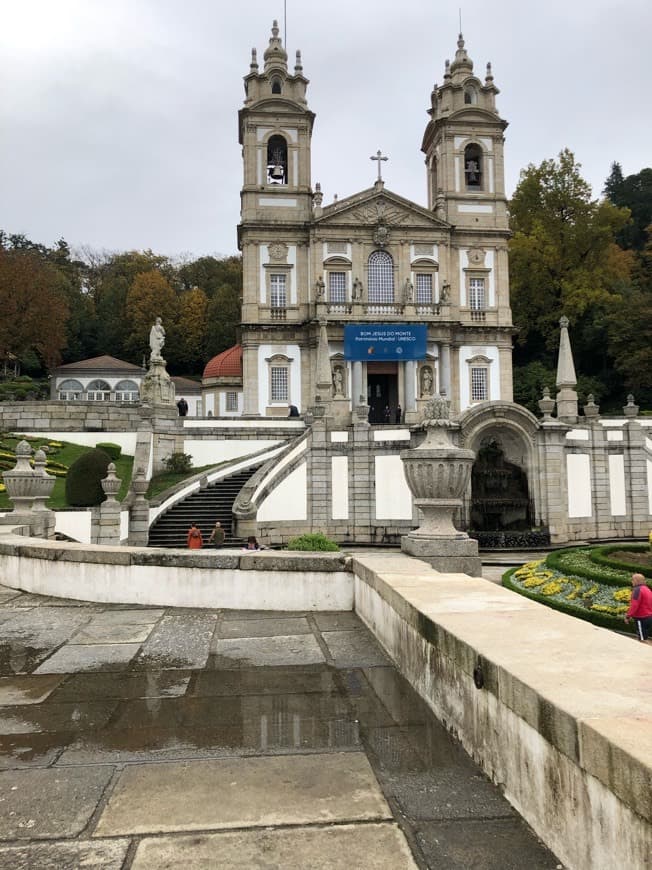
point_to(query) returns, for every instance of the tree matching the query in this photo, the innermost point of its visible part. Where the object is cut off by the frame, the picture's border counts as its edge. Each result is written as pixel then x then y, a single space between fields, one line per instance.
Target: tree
pixel 224 312
pixel 192 323
pixel 634 193
pixel 563 260
pixel 34 306
pixel 151 296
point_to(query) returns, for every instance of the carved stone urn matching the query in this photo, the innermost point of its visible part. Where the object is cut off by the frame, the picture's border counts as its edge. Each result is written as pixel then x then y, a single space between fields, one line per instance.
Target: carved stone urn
pixel 438 472
pixel 25 485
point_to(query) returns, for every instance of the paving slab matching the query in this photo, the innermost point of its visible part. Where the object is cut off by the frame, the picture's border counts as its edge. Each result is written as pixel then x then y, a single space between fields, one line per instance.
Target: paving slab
pixel 17 657
pixel 235 793
pixel 270 681
pixel 342 847
pixel 27 689
pixel 178 641
pixel 262 627
pixel 20 751
pixel 44 626
pixel 267 652
pixel 7 594
pixel 49 804
pixel 339 621
pixel 89 855
pixel 89 657
pixel 501 844
pixel 262 614
pixel 55 717
pixel 124 685
pixel 117 633
pixel 139 616
pixel 351 649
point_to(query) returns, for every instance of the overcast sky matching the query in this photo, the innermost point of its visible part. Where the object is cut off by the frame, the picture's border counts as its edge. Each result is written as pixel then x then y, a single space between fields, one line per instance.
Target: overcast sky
pixel 118 118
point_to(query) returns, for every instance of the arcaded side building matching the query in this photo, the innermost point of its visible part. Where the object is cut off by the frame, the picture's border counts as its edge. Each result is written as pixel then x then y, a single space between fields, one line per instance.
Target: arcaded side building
pixel 373 300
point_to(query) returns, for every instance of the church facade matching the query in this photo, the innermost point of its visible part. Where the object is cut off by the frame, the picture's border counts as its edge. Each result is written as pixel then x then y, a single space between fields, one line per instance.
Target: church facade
pixel 373 263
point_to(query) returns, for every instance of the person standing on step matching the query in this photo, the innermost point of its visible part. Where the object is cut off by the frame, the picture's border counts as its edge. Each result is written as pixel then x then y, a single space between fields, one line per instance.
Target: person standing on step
pixel 217 536
pixel 640 608
pixel 195 540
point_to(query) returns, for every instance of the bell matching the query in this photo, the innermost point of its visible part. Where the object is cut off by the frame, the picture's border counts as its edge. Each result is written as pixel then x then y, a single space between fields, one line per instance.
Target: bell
pixel 277 171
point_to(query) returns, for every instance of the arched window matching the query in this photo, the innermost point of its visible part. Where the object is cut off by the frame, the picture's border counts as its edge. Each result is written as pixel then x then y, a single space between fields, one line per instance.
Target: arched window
pixel 276 85
pixel 70 390
pixel 473 166
pixel 470 96
pixel 277 160
pixel 98 391
pixel 126 391
pixel 381 277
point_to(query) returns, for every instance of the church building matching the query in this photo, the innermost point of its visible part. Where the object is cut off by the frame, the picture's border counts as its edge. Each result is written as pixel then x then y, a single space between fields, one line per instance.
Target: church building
pixel 371 304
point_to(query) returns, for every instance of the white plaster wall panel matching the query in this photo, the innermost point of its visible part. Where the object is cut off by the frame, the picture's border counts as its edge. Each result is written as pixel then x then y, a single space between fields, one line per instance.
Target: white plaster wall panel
pixel 124 525
pixel 468 352
pixel 462 277
pixel 277 201
pixel 648 444
pixel 392 435
pixel 292 259
pixel 578 470
pixel 614 435
pixel 209 452
pixel 126 440
pixel 259 167
pixel 489 169
pixel 265 351
pixel 476 209
pixel 340 487
pixel 209 403
pixel 262 133
pixel 339 437
pixel 393 496
pixel 457 174
pixel 289 500
pixel 617 484
pixel 458 141
pixel 486 143
pixel 291 133
pixel 577 435
pixel 263 256
pixel 649 485
pixel 74 524
pixel 262 423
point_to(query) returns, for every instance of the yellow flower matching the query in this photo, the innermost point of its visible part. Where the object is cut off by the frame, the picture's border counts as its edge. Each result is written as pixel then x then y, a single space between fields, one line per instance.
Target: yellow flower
pixel 623 595
pixel 552 588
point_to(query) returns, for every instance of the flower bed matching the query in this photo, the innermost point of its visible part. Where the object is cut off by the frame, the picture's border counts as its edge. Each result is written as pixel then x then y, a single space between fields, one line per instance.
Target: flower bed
pixel 569 581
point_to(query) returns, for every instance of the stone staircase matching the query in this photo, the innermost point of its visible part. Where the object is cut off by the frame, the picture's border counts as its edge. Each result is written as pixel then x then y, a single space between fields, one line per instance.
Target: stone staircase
pixel 203 508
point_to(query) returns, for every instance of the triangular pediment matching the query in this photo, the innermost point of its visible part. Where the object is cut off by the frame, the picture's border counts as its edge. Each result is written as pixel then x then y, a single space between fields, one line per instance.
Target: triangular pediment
pixel 372 207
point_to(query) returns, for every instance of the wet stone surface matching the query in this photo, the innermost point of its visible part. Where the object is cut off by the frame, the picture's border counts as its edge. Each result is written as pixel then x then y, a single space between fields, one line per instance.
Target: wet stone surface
pixel 144 725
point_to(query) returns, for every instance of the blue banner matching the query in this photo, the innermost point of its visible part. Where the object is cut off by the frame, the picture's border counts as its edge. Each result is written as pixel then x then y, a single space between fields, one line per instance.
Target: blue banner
pixel 385 341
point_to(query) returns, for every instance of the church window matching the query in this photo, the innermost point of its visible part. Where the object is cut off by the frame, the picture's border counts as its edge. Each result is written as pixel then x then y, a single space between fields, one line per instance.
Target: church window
pixel 337 287
pixel 381 277
pixel 470 96
pixel 276 85
pixel 231 401
pixel 278 294
pixel 477 300
pixel 479 384
pixel 70 391
pixel 423 288
pixel 126 391
pixel 279 384
pixel 98 391
pixel 277 160
pixel 473 166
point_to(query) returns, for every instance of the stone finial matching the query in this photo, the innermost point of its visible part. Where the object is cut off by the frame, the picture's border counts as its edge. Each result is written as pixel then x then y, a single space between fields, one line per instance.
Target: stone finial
pixel 275 54
pixel 447 70
pixel 546 405
pixel 630 410
pixel 437 412
pixel 254 60
pixel 111 483
pixel 318 196
pixel 298 66
pixel 591 409
pixel 567 407
pixel 489 76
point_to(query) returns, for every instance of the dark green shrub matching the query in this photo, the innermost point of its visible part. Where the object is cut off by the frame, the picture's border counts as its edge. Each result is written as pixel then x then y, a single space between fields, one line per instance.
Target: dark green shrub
pixel 83 481
pixel 316 542
pixel 601 556
pixel 113 450
pixel 178 463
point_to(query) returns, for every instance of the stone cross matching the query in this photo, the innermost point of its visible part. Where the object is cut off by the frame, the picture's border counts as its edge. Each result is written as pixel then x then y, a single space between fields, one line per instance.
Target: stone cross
pixel 379 157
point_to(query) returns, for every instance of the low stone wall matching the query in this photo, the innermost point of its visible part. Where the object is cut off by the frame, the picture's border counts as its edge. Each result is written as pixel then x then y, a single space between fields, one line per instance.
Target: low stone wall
pixel 562 720
pixel 224 579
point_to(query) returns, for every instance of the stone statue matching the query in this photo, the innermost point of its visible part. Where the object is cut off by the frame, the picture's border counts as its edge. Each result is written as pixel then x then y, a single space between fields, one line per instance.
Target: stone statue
pixel 320 287
pixel 408 290
pixel 426 381
pixel 338 381
pixel 356 292
pixel 445 295
pixel 157 339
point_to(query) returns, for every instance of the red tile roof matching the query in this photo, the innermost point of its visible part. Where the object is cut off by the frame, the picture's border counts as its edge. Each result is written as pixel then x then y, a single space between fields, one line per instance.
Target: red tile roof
pixel 101 363
pixel 228 363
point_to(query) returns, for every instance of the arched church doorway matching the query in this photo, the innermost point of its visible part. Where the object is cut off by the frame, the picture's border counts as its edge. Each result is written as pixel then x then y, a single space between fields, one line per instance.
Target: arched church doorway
pixel 382 392
pixel 500 499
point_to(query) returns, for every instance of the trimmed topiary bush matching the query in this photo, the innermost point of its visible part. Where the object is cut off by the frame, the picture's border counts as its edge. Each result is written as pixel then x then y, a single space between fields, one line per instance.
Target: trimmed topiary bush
pixel 178 463
pixel 83 481
pixel 112 450
pixel 316 542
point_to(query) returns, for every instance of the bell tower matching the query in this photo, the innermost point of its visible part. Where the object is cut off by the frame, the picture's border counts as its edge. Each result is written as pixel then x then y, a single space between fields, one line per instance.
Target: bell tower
pixel 275 130
pixel 463 144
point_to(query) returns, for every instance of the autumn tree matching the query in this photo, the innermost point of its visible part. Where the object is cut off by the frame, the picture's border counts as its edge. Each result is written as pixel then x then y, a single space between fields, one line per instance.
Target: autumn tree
pixel 224 313
pixel 564 260
pixel 150 296
pixel 192 324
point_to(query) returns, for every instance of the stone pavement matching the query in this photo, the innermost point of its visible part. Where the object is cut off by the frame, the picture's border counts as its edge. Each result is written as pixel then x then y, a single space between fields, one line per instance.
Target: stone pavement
pixel 150 738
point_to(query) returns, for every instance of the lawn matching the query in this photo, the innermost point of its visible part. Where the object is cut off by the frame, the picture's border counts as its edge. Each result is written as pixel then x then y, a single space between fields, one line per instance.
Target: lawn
pixel 59 453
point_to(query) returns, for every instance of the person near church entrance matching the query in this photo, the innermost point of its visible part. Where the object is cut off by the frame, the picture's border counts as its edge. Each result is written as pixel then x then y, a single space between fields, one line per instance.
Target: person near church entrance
pixel 252 543
pixel 217 535
pixel 399 413
pixel 195 540
pixel 182 405
pixel 387 415
pixel 640 608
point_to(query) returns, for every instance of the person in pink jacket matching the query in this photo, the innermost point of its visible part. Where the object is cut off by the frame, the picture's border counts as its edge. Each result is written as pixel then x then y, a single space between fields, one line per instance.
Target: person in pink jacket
pixel 640 608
